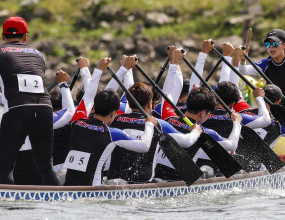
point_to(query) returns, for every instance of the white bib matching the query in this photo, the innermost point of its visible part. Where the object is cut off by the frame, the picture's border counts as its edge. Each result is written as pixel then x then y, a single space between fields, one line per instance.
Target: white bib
pixel 30 83
pixel 261 132
pixel 77 160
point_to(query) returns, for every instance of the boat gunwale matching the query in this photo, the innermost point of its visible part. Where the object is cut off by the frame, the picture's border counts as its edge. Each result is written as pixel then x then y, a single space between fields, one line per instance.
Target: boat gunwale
pixel 136 186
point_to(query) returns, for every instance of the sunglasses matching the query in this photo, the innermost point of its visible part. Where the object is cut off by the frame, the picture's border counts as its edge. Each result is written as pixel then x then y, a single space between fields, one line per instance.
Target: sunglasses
pixel 274 44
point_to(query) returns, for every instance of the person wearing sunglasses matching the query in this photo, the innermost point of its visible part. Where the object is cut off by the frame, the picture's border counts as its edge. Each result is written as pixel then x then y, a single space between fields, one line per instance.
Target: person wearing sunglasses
pixel 274 65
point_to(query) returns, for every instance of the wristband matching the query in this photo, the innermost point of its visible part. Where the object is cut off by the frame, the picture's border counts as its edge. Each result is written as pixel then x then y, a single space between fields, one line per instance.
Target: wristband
pixel 63 85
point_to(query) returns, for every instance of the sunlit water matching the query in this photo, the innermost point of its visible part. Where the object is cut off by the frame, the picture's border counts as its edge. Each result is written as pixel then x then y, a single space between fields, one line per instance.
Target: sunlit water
pixel 233 204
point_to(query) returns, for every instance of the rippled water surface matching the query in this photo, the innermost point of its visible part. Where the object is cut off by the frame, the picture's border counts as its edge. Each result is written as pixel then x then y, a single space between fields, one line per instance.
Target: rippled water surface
pixel 232 204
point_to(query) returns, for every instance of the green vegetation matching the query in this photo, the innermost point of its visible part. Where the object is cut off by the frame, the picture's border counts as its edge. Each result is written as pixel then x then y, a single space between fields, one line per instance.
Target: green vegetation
pixel 80 21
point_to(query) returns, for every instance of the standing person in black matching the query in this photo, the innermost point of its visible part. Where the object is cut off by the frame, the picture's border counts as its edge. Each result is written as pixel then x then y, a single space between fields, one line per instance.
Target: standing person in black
pixel 27 105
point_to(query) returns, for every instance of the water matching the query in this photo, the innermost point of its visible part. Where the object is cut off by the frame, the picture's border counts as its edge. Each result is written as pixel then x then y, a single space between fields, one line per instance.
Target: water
pixel 233 204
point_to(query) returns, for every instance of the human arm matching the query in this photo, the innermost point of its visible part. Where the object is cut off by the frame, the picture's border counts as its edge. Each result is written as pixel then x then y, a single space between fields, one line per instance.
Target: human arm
pixel 83 64
pixel 63 116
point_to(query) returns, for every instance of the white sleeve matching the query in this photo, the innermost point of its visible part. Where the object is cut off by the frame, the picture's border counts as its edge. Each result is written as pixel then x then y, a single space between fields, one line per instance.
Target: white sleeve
pixel 113 85
pixel 142 145
pixel 234 78
pixel 1 99
pixel 86 76
pixel 226 70
pixel 67 103
pixel 231 143
pixel 194 80
pixel 91 90
pixel 248 70
pixel 264 119
pixel 173 83
pixel 186 140
pixel 129 79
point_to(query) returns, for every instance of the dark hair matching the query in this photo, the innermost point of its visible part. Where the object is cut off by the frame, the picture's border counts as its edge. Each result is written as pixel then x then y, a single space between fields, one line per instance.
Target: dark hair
pixel 185 88
pixel 56 99
pixel 201 99
pixel 141 92
pixel 106 101
pixel 12 36
pixel 228 92
pixel 156 95
pixel 273 92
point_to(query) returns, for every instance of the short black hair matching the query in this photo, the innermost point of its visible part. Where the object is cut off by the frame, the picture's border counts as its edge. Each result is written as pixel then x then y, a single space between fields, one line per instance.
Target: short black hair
pixel 56 99
pixel 156 94
pixel 141 92
pixel 79 94
pixel 13 36
pixel 273 92
pixel 201 99
pixel 106 101
pixel 228 92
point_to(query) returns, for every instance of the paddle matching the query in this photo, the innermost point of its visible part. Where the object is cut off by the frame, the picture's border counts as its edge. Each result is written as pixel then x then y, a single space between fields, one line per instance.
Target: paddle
pixel 163 68
pixel 72 82
pixel 213 70
pixel 181 161
pixel 256 148
pixel 226 163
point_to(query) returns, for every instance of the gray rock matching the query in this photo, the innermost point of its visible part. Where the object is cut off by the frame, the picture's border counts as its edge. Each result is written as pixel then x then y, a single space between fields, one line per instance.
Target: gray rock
pixel 157 19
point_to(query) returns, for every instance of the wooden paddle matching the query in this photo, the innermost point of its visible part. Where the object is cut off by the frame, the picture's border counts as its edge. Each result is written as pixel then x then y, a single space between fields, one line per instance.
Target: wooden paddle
pixel 72 82
pixel 256 149
pixel 248 37
pixel 181 161
pixel 226 163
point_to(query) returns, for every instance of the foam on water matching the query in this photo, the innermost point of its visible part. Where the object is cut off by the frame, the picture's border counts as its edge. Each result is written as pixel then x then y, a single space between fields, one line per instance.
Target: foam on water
pixel 231 204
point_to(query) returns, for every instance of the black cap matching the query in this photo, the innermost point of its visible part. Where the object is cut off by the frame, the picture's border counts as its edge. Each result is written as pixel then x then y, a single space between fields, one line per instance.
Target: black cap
pixel 276 35
pixel 272 92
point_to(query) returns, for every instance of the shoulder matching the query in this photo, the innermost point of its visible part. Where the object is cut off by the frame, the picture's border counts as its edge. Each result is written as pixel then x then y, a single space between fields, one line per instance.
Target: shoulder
pixel 117 135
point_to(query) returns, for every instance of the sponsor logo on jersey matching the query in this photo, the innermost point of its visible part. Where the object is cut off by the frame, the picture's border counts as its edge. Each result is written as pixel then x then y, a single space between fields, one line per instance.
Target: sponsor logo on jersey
pixel 91 127
pixel 20 50
pixel 219 117
pixel 177 123
pixel 131 120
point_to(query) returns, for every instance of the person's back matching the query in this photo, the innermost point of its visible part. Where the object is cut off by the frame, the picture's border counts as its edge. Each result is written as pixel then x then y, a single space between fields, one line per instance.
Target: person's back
pixel 26 103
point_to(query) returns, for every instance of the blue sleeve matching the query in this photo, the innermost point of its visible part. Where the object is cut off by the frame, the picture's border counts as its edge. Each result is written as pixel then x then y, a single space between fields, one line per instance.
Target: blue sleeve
pixel 118 134
pixel 263 63
pixel 166 127
pixel 58 115
pixel 282 129
pixel 248 118
pixel 213 134
pixel 158 109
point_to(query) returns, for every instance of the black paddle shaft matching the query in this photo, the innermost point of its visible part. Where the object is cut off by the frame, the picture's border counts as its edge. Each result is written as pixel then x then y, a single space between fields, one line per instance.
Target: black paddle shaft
pixel 181 161
pixel 227 165
pixel 213 70
pixel 72 82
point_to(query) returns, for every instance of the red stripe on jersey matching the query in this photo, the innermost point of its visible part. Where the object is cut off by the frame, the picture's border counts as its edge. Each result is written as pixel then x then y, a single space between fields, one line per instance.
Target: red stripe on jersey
pixel 241 105
pixel 80 112
pixel 167 111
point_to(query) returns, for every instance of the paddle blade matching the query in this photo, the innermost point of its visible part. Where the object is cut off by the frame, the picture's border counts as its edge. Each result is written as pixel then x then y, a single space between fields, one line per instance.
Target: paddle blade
pixel 181 161
pixel 258 150
pixel 278 111
pixel 219 156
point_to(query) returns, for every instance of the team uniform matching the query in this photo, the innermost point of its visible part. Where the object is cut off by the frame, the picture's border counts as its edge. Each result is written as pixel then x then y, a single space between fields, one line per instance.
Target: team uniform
pixel 134 167
pixel 26 105
pixel 92 143
pixel 274 71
